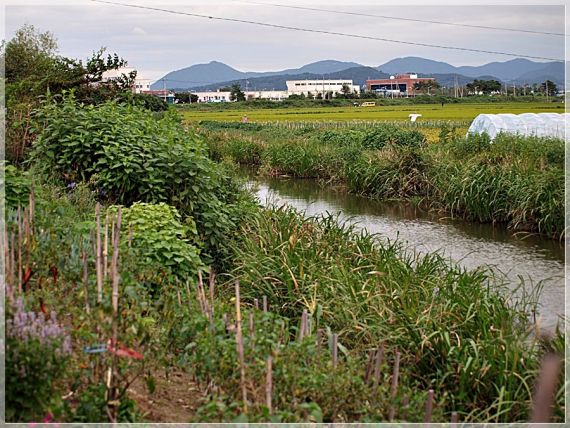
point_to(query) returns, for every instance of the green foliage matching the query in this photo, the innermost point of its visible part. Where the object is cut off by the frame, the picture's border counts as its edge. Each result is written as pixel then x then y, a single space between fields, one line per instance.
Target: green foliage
pixel 146 101
pixel 127 156
pixel 236 94
pixel 160 239
pixel 17 185
pixel 457 334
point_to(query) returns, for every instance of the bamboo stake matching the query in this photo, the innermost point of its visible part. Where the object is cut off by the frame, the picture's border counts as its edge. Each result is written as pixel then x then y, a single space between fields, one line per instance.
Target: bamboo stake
pixel 319 339
pixel 369 361
pixel 256 303
pixel 115 303
pixel 429 407
pixel 98 260
pixel 265 306
pixel 7 262
pixel 545 389
pixel 302 330
pixel 378 365
pixel 394 388
pixel 269 384
pixel 454 419
pixel 334 350
pixel 86 281
pixel 13 266
pixel 106 247
pixel 251 331
pixel 239 343
pixel 212 283
pixel 19 270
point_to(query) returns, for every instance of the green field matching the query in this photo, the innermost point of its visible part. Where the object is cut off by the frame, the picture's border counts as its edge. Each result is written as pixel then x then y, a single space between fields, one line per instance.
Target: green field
pixel 429 112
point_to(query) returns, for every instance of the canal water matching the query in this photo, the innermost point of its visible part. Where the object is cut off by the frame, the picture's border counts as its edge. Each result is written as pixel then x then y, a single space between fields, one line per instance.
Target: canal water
pixel 535 261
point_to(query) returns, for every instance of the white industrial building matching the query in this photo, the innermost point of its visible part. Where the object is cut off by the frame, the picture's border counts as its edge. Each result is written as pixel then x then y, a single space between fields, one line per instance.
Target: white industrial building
pixel 140 85
pixel 298 87
pixel 294 87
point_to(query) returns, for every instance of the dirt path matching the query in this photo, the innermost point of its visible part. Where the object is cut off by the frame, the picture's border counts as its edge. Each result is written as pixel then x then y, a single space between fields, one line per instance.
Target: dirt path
pixel 174 400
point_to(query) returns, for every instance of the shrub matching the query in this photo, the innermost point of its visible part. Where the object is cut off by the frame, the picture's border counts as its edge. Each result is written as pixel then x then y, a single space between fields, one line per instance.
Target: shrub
pixel 127 156
pixel 17 185
pixel 160 239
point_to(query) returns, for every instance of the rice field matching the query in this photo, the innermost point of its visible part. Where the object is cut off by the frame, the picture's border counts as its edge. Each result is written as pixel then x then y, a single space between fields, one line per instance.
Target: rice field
pixel 429 112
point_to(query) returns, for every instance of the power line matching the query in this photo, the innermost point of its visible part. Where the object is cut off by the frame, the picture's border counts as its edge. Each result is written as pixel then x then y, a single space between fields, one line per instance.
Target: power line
pixel 335 33
pixel 339 12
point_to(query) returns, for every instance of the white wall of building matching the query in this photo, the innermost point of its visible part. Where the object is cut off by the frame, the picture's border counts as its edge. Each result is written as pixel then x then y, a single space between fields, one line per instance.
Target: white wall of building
pixel 213 96
pixel 298 87
pixel 140 84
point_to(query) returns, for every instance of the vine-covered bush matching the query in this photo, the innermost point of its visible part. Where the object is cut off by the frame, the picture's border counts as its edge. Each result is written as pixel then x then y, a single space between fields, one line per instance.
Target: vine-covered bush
pixel 127 155
pixel 373 138
pixel 17 185
pixel 159 238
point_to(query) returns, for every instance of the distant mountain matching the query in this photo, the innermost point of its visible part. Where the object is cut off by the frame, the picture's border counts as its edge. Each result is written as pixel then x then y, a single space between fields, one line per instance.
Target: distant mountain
pixel 216 74
pixel 414 64
pixel 554 71
pixel 358 75
pixel 201 75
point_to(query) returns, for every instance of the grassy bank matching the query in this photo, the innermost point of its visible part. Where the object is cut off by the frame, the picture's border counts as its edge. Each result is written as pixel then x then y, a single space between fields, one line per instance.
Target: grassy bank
pixel 113 240
pixel 514 181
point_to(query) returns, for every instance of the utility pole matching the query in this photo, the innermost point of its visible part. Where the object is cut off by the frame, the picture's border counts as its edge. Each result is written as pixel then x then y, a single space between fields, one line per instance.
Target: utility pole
pixel 546 90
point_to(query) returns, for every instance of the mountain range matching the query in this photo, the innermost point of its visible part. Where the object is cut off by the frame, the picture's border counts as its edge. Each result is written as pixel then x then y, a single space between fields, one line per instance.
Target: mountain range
pixel 216 74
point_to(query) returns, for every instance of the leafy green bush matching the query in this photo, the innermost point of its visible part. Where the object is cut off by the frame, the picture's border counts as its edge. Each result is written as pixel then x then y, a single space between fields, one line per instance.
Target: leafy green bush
pixel 17 185
pixel 146 101
pixel 127 156
pixel 160 239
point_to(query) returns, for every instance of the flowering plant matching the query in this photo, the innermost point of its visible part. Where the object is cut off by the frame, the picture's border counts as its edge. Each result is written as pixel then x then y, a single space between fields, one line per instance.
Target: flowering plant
pixel 37 348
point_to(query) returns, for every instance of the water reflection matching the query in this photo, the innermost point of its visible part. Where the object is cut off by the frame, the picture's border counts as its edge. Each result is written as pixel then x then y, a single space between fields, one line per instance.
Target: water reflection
pixel 530 259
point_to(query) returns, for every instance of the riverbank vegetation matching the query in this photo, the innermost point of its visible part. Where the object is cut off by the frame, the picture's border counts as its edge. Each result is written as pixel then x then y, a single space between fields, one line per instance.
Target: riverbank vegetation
pixel 514 180
pixel 131 255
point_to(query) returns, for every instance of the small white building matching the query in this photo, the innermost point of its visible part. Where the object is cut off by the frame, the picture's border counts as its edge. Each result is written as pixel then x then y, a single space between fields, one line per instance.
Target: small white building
pixel 213 96
pixel 266 95
pixel 298 87
pixel 140 85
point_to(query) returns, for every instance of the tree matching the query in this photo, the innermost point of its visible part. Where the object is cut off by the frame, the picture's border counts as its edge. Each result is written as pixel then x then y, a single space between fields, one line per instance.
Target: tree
pixel 236 94
pixel 548 87
pixel 33 69
pixel 485 86
pixel 426 85
pixel 346 91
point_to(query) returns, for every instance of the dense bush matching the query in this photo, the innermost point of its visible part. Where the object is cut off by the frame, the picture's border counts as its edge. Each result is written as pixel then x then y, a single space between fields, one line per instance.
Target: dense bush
pixel 127 155
pixel 146 101
pixel 374 138
pixel 17 185
pixel 160 239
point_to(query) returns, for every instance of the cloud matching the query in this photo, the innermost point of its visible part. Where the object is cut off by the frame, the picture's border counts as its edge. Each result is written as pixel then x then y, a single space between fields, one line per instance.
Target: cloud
pixel 138 31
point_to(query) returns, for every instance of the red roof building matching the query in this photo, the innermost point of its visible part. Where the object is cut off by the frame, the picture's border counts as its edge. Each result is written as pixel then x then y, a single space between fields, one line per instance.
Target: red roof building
pixel 401 84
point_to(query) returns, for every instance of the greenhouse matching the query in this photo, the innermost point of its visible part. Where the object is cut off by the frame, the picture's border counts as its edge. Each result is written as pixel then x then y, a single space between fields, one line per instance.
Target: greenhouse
pixel 555 125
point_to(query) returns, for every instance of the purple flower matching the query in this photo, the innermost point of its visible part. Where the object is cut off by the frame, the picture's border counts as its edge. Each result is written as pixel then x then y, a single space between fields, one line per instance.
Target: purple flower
pixel 27 326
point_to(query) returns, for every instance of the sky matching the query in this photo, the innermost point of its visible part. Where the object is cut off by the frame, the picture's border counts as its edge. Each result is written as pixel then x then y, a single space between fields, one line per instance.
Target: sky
pixel 156 42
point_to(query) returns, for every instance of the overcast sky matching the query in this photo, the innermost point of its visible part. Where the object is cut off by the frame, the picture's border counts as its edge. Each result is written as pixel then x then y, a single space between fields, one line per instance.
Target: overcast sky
pixel 156 42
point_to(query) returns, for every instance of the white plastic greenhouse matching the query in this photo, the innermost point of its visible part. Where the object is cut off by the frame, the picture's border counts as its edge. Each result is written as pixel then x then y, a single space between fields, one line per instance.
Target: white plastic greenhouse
pixel 555 125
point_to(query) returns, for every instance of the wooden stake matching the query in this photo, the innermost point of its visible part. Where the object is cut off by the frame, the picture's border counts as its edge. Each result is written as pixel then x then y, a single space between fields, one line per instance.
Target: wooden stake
pixel 394 388
pixel 265 306
pixel 13 266
pixel 239 344
pixel 20 268
pixel 545 389
pixel 251 331
pixel 212 283
pixel 98 255
pixel 106 247
pixel 86 281
pixel 115 303
pixel 302 330
pixel 429 407
pixel 454 419
pixel 334 350
pixel 378 365
pixel 269 384
pixel 256 303
pixel 369 361
pixel 320 334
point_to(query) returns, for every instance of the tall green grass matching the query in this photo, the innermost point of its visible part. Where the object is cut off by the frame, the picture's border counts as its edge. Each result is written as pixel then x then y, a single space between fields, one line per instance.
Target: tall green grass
pixel 456 329
pixel 516 181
